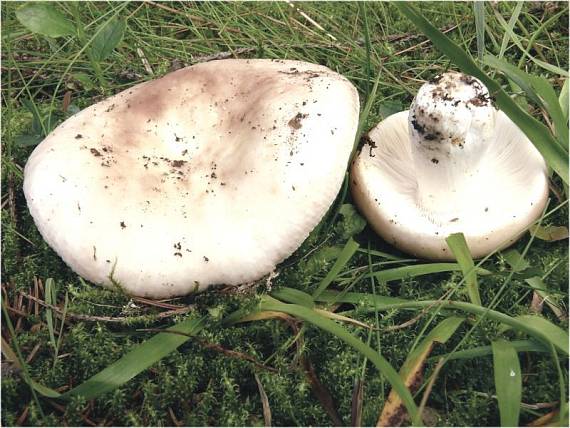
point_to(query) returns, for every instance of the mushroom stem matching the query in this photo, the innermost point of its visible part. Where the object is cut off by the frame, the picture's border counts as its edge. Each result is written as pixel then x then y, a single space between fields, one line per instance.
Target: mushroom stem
pixel 451 125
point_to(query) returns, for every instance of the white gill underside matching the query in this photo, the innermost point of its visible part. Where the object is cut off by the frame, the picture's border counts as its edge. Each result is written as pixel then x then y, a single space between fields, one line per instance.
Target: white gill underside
pixel 502 194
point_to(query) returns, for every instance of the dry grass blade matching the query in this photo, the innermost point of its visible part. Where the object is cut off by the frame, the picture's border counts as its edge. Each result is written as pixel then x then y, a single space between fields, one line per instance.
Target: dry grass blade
pixel 545 420
pixel 429 387
pixel 97 318
pixel 264 402
pixel 321 392
pixel 393 413
pixel 357 401
pixel 10 354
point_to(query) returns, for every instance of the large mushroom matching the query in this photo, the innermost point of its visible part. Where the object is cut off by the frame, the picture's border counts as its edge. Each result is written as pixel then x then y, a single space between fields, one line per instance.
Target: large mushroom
pixel 452 163
pixel 210 175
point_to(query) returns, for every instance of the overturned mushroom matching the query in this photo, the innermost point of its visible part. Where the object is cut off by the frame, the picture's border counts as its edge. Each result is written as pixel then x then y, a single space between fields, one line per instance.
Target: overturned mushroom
pixel 452 163
pixel 210 175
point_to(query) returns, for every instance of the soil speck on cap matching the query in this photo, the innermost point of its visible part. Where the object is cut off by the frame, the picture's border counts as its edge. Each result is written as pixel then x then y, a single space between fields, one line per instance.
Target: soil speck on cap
pixel 295 123
pixel 123 225
pixel 78 136
pixel 95 152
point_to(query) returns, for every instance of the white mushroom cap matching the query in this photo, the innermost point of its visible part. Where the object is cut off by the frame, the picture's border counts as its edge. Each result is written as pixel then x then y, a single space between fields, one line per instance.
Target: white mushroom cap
pixel 210 175
pixel 451 164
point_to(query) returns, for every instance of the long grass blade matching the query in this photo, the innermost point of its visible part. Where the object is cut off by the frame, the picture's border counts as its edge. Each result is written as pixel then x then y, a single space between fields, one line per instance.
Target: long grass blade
pixel 508 382
pixel 525 51
pixel 412 271
pixel 536 327
pixel 458 246
pixel 134 362
pixel 537 89
pixel 511 24
pixel 326 324
pixel 481 351
pixel 284 294
pixel 536 132
pixel 479 11
pixel 564 99
pixel 292 295
pixel 556 336
pixel 50 294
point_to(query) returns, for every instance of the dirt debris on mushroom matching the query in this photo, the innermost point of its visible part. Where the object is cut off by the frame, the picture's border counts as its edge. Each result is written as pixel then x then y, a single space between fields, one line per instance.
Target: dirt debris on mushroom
pixel 209 175
pixel 452 163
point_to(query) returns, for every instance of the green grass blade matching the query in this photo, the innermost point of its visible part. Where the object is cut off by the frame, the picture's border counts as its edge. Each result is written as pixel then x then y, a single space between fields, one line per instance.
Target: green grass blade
pixel 382 302
pixel 292 295
pixel 552 106
pixel 537 89
pixel 557 336
pixel 49 297
pixel 536 132
pixel 515 74
pixel 440 334
pixel 479 11
pixel 537 327
pixel 332 327
pixel 525 51
pixel 508 382
pixel 134 362
pixel 515 260
pixel 60 336
pixel 481 351
pixel 412 271
pixel 458 246
pixel 564 99
pixel 563 414
pixel 512 20
pixel 345 255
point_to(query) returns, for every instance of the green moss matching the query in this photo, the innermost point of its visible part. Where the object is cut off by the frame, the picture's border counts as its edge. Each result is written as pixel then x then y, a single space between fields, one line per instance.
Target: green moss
pixel 199 386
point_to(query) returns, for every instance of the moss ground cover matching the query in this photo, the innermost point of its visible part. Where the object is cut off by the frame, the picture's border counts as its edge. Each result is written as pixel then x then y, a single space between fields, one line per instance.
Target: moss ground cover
pixel 228 374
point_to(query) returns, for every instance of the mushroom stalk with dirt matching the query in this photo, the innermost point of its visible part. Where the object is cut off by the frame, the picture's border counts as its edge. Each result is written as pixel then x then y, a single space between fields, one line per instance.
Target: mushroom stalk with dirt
pixel 452 163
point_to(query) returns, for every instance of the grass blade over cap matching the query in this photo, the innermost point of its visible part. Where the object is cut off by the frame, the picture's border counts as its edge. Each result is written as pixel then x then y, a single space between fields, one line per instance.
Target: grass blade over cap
pixel 536 132
pixel 508 382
